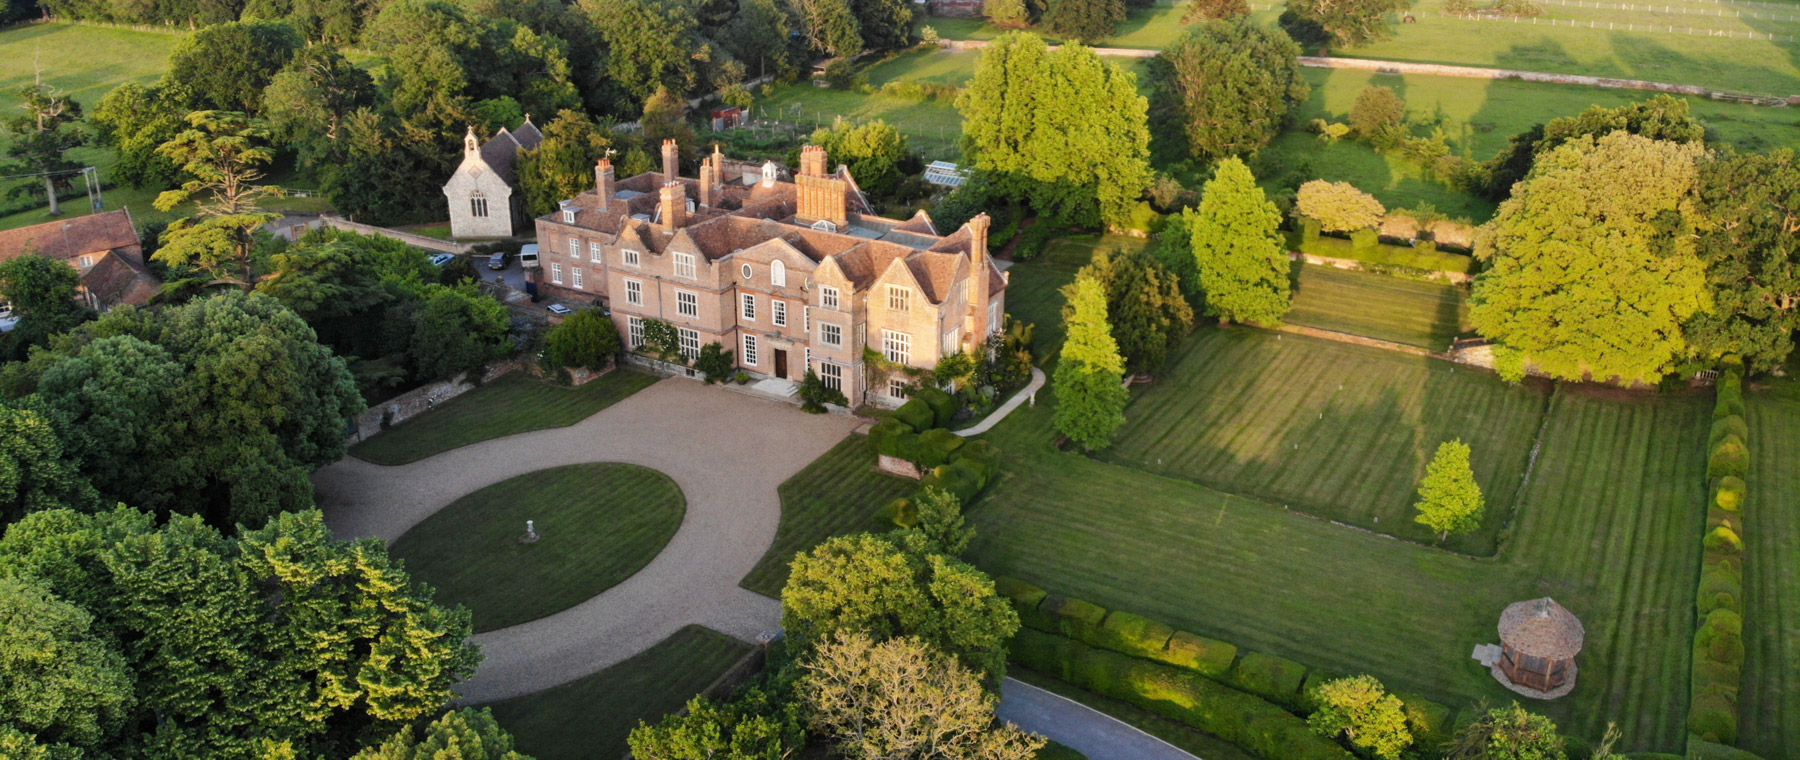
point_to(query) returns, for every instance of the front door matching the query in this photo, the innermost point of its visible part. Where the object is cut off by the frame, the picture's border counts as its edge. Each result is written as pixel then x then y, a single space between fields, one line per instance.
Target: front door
pixel 781 364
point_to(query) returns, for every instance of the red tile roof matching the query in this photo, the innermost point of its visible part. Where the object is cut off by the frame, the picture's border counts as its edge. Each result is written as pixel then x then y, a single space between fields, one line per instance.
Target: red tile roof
pixel 68 238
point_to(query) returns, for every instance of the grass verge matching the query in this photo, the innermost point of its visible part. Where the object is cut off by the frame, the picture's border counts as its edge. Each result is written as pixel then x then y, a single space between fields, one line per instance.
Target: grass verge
pixel 838 493
pixel 598 525
pixel 591 717
pixel 514 403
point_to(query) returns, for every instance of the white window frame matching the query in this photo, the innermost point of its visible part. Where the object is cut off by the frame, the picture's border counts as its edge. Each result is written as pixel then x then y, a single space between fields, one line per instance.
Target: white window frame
pixel 749 273
pixel 896 347
pixel 995 317
pixel 634 292
pixel 87 260
pixel 575 273
pixel 831 334
pixel 634 331
pixel 633 258
pixel 690 342
pixel 899 298
pixel 828 298
pixel 747 306
pixel 556 273
pixel 568 216
pixel 806 319
pixel 595 253
pixel 831 376
pixel 687 303
pixel 896 388
pixel 574 247
pixel 952 341
pixel 778 312
pixel 777 273
pixel 750 350
pixel 684 266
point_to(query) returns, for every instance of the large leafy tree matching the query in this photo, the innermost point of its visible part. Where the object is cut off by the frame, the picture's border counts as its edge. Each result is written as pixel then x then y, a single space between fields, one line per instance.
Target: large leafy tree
pixel 135 120
pixel 386 154
pixel 221 406
pixel 43 295
pixel 224 67
pixel 41 138
pixel 1090 396
pixel 466 734
pixel 830 26
pixel 61 680
pixel 223 152
pixel 883 24
pixel 563 165
pixel 1084 20
pixel 1225 88
pixel 873 150
pixel 867 584
pixel 1338 206
pixel 1238 253
pixel 458 328
pixel 1591 265
pixel 1450 500
pixel 1664 117
pixel 1144 305
pixel 759 35
pixel 36 469
pixel 1752 256
pixel 1508 733
pixel 1360 709
pixel 282 640
pixel 650 43
pixel 309 101
pixel 587 339
pixel 1344 23
pixel 449 67
pixel 1062 129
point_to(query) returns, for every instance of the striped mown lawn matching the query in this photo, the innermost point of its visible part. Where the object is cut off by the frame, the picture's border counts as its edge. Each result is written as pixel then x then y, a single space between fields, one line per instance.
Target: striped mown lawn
pixel 838 493
pixel 1331 429
pixel 514 403
pixel 1769 706
pixel 598 524
pixel 1414 312
pixel 592 716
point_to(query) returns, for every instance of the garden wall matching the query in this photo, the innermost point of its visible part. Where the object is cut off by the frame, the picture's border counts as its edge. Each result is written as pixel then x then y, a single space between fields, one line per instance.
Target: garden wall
pixel 422 399
pixel 1252 699
pixel 417 241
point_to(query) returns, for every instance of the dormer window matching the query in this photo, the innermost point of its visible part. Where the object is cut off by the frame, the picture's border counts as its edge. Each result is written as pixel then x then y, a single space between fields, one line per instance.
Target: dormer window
pixel 87 261
pixel 568 216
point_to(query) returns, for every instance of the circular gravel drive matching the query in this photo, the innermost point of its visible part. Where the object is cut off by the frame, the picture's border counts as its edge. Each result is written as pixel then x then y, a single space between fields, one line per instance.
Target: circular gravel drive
pixel 727 452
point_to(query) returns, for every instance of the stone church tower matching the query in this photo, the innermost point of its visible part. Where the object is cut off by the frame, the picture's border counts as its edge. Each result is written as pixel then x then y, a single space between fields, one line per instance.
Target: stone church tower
pixel 483 195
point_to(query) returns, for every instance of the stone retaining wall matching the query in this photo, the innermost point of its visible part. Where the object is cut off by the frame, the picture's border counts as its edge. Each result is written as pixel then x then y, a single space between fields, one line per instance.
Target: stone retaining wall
pixel 422 399
pixel 417 241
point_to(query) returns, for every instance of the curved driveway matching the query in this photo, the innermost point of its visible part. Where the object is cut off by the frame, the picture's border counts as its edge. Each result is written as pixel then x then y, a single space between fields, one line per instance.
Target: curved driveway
pixel 727 451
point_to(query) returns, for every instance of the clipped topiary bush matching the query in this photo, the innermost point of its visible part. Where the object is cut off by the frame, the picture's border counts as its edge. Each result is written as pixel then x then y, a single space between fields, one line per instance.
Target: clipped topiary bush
pixel 935 447
pixel 1073 617
pixel 962 481
pixel 1134 635
pixel 1730 493
pixel 1729 457
pixel 902 512
pixel 1025 599
pixel 1277 679
pixel 942 405
pixel 1704 750
pixel 1721 638
pixel 1730 425
pixel 916 414
pixel 1731 407
pixel 1431 723
pixel 882 433
pixel 1719 589
pixel 1724 539
pixel 1209 657
pixel 1713 718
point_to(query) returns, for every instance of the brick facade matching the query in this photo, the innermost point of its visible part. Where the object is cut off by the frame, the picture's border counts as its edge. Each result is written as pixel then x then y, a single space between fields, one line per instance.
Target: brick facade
pixel 785 274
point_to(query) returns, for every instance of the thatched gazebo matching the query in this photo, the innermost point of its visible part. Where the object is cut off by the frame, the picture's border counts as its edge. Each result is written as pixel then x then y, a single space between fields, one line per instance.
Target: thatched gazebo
pixel 1538 643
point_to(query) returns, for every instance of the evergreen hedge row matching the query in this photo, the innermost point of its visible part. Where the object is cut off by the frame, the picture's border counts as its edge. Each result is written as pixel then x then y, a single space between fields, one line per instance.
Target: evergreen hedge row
pixel 1718 648
pixel 916 433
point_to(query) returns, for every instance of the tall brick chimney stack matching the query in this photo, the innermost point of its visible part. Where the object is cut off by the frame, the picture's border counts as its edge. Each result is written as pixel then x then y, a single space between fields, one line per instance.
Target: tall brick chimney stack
pixel 674 205
pixel 603 182
pixel 708 178
pixel 812 161
pixel 978 277
pixel 671 169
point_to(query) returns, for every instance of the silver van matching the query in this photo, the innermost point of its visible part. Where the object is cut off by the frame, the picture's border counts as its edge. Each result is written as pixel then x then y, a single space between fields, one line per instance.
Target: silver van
pixel 528 255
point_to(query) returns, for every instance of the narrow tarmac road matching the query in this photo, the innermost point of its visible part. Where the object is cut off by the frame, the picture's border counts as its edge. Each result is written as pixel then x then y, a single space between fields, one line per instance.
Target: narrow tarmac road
pixel 1079 727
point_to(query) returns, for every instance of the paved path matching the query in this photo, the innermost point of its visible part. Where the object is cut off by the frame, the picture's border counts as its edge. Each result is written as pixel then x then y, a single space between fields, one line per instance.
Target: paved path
pixel 1082 728
pixel 727 452
pixel 1029 392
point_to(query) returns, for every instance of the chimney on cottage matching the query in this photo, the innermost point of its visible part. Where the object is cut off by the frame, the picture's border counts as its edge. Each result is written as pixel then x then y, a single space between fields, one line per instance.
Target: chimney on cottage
pixel 819 197
pixel 671 161
pixel 708 176
pixel 978 277
pixel 603 182
pixel 812 161
pixel 674 205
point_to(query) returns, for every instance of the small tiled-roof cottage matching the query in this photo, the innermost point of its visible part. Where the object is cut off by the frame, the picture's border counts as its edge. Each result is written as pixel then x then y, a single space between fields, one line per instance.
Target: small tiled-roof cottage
pixel 104 248
pixel 483 193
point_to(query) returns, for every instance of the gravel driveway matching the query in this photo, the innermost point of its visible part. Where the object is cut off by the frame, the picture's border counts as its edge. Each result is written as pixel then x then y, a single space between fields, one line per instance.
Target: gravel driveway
pixel 727 451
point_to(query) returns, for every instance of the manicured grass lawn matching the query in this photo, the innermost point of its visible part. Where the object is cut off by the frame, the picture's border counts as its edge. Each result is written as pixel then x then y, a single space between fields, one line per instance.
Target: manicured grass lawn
pixel 1420 313
pixel 1607 523
pixel 1769 706
pixel 838 493
pixel 592 716
pixel 598 524
pixel 515 403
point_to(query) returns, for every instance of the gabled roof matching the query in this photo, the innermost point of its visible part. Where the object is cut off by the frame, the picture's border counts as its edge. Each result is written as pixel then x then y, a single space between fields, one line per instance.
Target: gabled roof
pixel 527 135
pixel 117 280
pixel 500 151
pixel 68 238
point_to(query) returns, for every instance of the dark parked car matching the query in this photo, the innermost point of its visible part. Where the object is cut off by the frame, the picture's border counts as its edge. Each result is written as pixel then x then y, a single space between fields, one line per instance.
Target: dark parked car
pixel 498 260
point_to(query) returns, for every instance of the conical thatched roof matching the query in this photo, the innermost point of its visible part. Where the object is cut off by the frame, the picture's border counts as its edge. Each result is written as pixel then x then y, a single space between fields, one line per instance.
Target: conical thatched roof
pixel 1541 628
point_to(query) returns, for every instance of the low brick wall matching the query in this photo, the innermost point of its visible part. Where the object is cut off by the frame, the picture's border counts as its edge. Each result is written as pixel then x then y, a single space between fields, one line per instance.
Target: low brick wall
pixel 417 241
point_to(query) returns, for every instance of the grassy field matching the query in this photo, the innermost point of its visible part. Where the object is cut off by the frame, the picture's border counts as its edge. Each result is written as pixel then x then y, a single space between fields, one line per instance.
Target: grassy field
pixel 515 403
pixel 838 493
pixel 1769 705
pixel 1152 28
pixel 85 62
pixel 598 524
pixel 1419 313
pixel 592 716
pixel 1606 523
pixel 1329 429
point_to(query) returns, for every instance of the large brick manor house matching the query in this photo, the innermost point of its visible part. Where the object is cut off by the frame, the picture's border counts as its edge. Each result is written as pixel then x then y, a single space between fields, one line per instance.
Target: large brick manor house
pixel 792 275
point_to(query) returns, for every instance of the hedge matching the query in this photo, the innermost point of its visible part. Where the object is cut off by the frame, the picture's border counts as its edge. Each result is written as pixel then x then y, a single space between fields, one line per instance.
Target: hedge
pixel 1705 750
pixel 1729 457
pixel 883 434
pixel 1729 496
pixel 1729 407
pixel 1255 725
pixel 1134 635
pixel 916 414
pixel 956 478
pixel 936 447
pixel 1723 539
pixel 1720 588
pixel 1270 677
pixel 1430 722
pixel 942 405
pixel 1386 255
pixel 1713 718
pixel 1209 657
pixel 1072 617
pixel 1731 425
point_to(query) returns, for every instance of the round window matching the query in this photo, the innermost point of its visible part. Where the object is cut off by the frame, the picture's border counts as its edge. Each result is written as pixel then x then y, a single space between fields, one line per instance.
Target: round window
pixel 746 271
